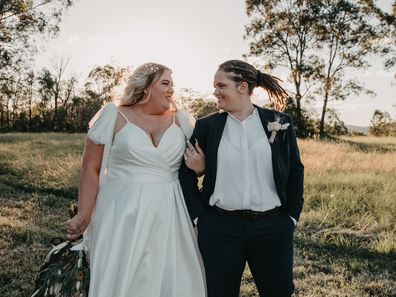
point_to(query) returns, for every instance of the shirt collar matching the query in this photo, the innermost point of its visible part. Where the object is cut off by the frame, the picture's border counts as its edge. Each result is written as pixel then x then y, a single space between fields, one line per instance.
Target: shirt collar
pixel 254 114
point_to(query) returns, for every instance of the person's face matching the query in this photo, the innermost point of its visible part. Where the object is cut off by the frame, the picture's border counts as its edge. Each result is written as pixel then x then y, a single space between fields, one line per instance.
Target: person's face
pixel 227 92
pixel 162 91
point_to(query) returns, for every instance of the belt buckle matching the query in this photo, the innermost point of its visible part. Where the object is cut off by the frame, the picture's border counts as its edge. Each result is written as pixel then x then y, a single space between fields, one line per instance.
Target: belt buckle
pixel 249 215
pixel 257 216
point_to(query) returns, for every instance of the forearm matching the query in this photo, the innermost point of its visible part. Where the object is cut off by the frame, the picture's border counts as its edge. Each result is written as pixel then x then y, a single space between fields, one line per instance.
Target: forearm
pixel 191 193
pixel 87 192
pixel 295 194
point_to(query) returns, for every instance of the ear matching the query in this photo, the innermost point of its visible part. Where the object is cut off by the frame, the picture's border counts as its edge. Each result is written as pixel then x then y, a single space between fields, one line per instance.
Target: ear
pixel 243 87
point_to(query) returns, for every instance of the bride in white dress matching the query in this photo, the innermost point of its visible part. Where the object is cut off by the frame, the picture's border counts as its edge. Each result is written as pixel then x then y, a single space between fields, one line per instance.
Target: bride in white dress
pixel 131 206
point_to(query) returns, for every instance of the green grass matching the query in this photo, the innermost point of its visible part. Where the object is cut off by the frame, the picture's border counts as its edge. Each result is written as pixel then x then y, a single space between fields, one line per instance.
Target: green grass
pixel 345 241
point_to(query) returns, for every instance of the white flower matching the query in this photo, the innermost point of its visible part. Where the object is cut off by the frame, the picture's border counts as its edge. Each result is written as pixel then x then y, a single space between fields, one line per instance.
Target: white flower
pixel 57 288
pixel 79 262
pixel 274 127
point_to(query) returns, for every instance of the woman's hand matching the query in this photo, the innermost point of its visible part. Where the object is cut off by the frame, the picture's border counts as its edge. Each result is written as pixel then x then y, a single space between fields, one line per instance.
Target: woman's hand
pixel 76 226
pixel 195 158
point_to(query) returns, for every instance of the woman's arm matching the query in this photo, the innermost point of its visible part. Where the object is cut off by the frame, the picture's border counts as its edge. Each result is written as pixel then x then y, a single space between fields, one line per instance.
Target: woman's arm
pixel 88 189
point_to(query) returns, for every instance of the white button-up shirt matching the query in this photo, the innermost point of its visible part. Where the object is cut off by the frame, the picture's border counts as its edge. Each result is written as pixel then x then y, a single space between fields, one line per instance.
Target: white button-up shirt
pixel 245 178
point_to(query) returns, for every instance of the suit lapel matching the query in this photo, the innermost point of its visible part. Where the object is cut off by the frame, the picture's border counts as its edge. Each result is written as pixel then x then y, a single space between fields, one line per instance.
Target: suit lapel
pixel 266 116
pixel 216 133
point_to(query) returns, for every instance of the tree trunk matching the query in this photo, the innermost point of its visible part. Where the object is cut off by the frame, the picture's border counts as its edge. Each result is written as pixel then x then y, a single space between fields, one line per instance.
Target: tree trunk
pixel 298 101
pixel 30 108
pixel 322 118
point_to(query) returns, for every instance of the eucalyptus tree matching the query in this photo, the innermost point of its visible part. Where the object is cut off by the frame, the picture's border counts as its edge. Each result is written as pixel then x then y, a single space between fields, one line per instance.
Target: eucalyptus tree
pixel 382 124
pixel 22 23
pixel 99 88
pixel 347 34
pixel 316 41
pixel 282 34
pixel 102 80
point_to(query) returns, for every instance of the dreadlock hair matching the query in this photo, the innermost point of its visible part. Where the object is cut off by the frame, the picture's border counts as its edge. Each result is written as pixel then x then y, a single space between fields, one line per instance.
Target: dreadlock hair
pixel 240 71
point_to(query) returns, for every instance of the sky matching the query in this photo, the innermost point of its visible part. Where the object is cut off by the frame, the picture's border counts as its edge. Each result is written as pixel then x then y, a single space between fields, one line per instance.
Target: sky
pixel 190 37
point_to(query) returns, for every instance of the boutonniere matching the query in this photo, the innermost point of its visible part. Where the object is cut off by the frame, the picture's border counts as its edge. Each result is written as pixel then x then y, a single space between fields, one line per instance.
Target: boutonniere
pixel 274 127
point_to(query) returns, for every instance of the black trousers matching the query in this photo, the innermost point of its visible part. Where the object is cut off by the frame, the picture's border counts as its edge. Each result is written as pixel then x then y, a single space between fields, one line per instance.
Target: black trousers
pixel 227 243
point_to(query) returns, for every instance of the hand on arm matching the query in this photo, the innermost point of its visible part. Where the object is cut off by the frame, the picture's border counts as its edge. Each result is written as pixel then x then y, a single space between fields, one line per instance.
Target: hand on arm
pixel 195 158
pixel 88 189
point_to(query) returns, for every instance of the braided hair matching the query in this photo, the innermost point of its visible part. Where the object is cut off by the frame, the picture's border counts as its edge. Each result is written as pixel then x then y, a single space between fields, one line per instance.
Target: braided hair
pixel 240 71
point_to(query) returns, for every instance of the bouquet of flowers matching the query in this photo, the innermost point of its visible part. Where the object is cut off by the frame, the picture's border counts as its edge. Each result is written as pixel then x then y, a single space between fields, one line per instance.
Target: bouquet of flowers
pixel 65 271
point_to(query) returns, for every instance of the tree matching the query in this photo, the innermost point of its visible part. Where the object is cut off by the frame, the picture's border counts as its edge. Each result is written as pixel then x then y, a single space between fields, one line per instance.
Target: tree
pixel 30 90
pixel 381 124
pixel 198 104
pixel 102 80
pixel 347 34
pixel 305 125
pixel 282 32
pixel 334 125
pixel 316 40
pixel 201 107
pixel 388 27
pixel 21 22
pixel 12 97
pixel 46 84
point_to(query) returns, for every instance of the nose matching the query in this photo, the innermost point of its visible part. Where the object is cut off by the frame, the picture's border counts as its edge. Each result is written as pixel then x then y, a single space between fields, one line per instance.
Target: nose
pixel 216 92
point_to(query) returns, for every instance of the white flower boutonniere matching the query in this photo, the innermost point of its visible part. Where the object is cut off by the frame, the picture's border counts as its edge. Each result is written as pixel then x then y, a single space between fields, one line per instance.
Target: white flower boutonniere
pixel 274 127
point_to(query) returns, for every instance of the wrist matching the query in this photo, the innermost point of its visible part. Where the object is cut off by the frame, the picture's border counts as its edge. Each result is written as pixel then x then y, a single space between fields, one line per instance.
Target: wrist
pixel 199 173
pixel 84 216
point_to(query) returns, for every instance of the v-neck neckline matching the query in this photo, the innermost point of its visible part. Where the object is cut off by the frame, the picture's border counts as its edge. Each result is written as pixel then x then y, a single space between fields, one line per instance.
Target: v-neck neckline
pixel 149 138
pixel 144 131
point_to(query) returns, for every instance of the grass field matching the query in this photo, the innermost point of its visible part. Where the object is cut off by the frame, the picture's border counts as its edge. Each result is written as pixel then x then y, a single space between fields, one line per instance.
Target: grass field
pixel 345 241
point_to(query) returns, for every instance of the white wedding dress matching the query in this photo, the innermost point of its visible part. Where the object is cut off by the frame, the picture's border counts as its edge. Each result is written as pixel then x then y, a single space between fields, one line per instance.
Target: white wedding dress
pixel 141 241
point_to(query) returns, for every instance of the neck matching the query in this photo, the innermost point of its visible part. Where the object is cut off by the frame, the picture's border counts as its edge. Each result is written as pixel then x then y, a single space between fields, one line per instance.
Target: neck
pixel 245 111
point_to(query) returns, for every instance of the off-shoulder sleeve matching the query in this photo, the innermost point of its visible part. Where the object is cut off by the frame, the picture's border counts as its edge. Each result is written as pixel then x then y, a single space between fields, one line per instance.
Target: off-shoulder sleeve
pixel 186 122
pixel 101 126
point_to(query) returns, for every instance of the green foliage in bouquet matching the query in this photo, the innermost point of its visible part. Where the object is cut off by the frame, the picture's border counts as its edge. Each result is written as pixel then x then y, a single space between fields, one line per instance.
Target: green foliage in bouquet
pixel 64 273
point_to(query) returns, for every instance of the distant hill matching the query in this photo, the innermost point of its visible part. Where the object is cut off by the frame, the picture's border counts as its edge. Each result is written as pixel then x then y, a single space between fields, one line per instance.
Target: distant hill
pixel 358 129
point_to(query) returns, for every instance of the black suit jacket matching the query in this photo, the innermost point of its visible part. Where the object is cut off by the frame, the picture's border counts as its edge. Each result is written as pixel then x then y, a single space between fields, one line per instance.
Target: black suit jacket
pixel 286 163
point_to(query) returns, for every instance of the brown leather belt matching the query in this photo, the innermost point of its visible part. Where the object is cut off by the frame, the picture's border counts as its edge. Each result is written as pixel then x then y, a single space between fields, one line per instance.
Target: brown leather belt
pixel 246 214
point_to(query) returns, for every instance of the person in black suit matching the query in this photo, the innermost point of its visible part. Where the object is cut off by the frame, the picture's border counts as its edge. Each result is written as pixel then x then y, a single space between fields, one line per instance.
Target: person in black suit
pixel 252 192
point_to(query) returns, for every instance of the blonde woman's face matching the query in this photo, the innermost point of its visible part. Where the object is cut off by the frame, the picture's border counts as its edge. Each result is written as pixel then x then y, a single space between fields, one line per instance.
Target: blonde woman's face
pixel 162 91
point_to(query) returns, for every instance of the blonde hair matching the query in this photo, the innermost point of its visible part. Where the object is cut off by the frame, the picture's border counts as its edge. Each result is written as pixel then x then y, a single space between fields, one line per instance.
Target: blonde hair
pixel 142 78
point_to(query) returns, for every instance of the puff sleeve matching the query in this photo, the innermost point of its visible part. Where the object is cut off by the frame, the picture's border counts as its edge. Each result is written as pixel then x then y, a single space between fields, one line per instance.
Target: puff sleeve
pixel 101 126
pixel 186 122
pixel 101 132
